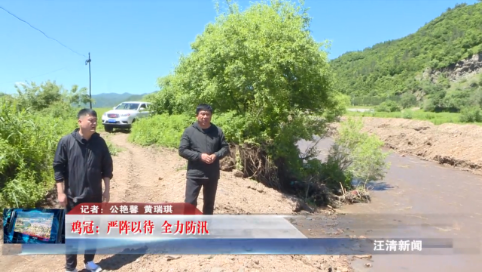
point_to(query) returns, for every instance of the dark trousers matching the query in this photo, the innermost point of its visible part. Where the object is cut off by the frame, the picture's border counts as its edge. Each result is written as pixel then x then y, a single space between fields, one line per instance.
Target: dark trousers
pixel 193 187
pixel 71 259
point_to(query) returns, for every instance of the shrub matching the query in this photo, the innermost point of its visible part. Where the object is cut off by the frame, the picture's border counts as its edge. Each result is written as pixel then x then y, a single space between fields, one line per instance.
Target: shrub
pixel 27 145
pixel 388 106
pixel 470 115
pixel 429 105
pixel 163 130
pixel 408 100
pixel 360 152
pixel 407 114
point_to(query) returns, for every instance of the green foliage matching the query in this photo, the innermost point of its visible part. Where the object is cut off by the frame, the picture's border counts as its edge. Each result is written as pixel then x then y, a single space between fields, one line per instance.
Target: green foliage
pixel 163 130
pixel 470 115
pixel 448 97
pixel 476 97
pixel 436 118
pixel 113 149
pixel 407 114
pixel 41 97
pixel 340 104
pixel 429 105
pixel 388 106
pixel 262 72
pixel 27 144
pixel 372 100
pixel 233 126
pixel 31 124
pixel 335 169
pixel 355 155
pixel 361 152
pixel 392 66
pixel 408 100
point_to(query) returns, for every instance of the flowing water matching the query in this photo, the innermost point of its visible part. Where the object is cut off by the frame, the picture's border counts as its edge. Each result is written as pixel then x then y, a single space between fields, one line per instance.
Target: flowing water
pixel 416 199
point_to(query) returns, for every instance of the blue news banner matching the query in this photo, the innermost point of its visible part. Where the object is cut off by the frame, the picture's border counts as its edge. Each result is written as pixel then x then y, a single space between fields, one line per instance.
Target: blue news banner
pixel 51 231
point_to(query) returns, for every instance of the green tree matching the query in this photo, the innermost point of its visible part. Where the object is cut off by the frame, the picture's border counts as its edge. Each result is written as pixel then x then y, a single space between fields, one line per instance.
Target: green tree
pixel 261 65
pixel 40 97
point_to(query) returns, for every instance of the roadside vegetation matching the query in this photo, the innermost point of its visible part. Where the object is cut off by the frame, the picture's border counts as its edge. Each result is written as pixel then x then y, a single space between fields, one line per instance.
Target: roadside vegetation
pixel 270 86
pixel 31 124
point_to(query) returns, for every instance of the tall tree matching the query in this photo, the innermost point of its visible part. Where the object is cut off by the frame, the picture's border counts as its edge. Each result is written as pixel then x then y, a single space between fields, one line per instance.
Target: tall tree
pixel 39 97
pixel 263 65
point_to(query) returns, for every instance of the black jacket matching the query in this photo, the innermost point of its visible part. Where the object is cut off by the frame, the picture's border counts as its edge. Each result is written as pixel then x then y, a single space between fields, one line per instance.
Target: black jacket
pixel 82 165
pixel 194 142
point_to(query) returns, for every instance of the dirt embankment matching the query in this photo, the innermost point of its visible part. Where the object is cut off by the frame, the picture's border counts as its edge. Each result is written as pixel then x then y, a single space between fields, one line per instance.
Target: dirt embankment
pixel 157 176
pixel 455 145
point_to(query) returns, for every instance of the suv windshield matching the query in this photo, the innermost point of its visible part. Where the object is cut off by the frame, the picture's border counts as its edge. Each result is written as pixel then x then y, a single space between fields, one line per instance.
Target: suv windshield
pixel 127 106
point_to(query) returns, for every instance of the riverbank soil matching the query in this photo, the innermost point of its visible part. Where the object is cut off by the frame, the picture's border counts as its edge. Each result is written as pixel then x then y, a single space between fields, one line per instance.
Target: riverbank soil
pixel 455 145
pixel 158 175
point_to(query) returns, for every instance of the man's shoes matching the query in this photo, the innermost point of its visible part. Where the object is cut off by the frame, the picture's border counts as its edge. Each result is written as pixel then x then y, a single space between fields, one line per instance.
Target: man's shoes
pixel 75 270
pixel 92 267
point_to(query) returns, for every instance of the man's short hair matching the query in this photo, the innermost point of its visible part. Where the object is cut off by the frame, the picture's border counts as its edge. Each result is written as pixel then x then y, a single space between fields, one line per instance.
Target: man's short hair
pixel 84 112
pixel 204 107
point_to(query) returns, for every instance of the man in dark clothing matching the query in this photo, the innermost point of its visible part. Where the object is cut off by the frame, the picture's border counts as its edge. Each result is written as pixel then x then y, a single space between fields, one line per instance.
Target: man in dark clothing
pixel 81 161
pixel 203 145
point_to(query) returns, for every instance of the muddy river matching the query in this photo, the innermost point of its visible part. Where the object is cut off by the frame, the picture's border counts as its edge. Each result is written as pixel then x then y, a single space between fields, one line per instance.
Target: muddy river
pixel 417 200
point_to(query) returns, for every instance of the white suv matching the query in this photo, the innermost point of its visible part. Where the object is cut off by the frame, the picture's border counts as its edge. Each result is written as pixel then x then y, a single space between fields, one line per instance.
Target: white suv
pixel 124 114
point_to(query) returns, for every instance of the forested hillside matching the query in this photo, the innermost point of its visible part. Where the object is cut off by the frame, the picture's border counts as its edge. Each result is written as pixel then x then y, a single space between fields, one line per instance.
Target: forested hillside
pixel 113 99
pixel 392 68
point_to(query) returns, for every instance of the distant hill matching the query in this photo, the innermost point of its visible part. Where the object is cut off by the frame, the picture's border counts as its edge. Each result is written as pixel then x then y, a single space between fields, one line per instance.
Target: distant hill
pixel 393 67
pixel 106 100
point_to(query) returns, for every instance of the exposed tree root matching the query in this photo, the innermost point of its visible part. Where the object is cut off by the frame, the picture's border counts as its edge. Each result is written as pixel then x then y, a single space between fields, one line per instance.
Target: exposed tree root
pixel 251 161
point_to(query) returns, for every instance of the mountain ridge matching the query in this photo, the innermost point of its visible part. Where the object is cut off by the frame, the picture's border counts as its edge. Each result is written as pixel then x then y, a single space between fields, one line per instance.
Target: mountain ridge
pixel 390 68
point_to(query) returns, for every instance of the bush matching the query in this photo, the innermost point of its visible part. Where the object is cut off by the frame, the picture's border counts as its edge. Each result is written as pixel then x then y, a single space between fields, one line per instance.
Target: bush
pixel 476 97
pixel 355 156
pixel 388 106
pixel 407 114
pixel 162 130
pixel 360 152
pixel 470 115
pixel 31 125
pixel 408 100
pixel 429 105
pixel 27 145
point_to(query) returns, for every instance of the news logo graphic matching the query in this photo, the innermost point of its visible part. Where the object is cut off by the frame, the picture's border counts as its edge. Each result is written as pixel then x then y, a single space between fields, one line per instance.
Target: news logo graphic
pixel 33 226
pixel 398 245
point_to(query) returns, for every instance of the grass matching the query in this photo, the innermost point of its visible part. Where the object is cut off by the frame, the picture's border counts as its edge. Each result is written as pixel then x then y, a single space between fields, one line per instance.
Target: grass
pixel 101 111
pixel 435 118
pixel 113 149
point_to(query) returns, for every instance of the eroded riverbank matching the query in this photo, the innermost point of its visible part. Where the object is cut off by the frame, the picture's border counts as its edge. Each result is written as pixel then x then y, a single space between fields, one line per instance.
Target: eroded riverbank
pixel 419 197
pixel 458 146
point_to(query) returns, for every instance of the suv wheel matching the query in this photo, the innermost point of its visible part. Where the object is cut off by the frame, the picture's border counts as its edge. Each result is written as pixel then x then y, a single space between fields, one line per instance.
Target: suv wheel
pixel 108 128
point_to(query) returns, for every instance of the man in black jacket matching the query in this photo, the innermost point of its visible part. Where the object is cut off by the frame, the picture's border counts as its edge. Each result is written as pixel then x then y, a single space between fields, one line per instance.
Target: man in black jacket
pixel 203 145
pixel 81 161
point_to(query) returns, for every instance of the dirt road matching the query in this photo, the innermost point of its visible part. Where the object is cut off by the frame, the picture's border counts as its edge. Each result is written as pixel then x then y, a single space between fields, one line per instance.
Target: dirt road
pixel 157 176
